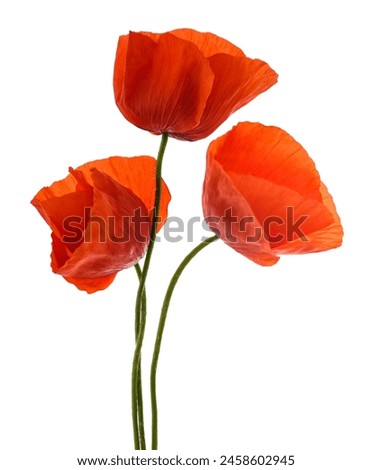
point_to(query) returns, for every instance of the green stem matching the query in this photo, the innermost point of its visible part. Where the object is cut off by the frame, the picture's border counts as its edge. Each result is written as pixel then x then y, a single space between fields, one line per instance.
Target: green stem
pixel 141 426
pixel 141 289
pixel 159 336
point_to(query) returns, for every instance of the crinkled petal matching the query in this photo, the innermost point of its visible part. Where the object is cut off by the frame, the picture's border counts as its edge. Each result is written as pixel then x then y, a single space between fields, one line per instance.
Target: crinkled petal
pixel 208 43
pixel 134 173
pixel 113 239
pixel 238 80
pixel 325 235
pixel 285 215
pixel 163 85
pixel 60 255
pixel 62 205
pixel 230 216
pixel 269 153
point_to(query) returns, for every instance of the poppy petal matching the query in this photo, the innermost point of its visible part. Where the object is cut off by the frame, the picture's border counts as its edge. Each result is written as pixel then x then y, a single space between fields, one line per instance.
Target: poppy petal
pixel 135 173
pixel 285 215
pixel 60 255
pixel 120 67
pixel 230 216
pixel 61 201
pixel 154 96
pixel 238 80
pixel 325 235
pixel 270 153
pixel 208 43
pixel 111 241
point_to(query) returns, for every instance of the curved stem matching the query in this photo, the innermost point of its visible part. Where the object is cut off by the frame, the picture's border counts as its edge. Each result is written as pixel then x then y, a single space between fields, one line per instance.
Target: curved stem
pixel 159 336
pixel 141 427
pixel 141 288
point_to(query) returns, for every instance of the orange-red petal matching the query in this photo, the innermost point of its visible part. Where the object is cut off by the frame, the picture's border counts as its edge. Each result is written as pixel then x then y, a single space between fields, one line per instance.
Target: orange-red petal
pixel 208 43
pixel 238 80
pixel 60 255
pixel 230 216
pixel 60 201
pixel 327 235
pixel 110 239
pixel 161 85
pixel 134 173
pixel 269 153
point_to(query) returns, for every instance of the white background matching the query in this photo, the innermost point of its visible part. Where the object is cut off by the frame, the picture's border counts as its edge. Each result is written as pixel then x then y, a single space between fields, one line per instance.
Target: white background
pixel 254 360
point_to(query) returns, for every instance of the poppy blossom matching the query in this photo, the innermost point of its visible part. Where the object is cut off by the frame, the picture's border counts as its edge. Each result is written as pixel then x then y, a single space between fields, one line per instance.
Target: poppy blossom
pixel 100 216
pixel 263 195
pixel 184 82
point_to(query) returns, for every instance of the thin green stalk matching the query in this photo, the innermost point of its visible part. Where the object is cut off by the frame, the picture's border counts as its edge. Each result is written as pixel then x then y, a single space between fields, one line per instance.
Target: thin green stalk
pixel 141 426
pixel 141 288
pixel 159 336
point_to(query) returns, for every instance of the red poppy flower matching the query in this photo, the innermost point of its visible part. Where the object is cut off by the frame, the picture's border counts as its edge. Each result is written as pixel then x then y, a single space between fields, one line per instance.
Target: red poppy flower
pixel 100 216
pixel 263 195
pixel 184 82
